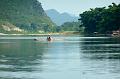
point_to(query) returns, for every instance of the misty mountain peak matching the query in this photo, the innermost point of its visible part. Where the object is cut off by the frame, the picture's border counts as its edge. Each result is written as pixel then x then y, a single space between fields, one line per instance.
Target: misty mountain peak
pixel 60 18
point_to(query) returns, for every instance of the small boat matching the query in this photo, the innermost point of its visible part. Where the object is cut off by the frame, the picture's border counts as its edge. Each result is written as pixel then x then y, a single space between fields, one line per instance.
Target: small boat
pixel 49 39
pixel 116 33
pixel 35 39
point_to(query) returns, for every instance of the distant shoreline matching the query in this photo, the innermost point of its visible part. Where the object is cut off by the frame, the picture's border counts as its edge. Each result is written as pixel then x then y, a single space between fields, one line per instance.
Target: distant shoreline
pixel 33 34
pixel 61 33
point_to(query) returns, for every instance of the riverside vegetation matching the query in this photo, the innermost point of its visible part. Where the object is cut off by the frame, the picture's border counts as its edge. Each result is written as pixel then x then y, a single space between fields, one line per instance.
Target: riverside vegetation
pixel 28 16
pixel 102 20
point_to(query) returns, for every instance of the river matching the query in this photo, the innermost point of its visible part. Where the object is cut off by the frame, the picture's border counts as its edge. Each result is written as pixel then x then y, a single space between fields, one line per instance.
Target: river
pixel 66 57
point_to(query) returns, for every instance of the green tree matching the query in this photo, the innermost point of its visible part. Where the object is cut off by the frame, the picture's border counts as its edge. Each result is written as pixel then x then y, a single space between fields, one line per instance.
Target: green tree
pixel 102 20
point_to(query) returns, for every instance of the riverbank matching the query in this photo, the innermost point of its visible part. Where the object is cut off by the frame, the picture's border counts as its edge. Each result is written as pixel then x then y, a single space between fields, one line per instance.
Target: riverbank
pixel 60 33
pixel 33 34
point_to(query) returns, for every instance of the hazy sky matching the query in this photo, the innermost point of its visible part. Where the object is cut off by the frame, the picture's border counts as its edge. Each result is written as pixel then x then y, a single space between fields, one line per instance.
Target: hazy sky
pixel 75 6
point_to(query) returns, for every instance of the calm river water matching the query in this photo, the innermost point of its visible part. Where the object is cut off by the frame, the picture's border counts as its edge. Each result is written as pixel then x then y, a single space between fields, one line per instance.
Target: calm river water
pixel 66 57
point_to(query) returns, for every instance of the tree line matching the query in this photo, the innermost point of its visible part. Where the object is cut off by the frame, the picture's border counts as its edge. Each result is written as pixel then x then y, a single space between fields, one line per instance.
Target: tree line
pixel 101 20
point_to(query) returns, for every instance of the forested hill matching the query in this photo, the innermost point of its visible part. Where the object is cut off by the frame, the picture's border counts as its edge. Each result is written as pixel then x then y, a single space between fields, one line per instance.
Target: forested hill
pixel 23 14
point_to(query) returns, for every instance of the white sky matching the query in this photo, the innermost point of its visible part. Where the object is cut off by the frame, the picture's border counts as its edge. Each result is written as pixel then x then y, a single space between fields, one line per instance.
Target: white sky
pixel 75 7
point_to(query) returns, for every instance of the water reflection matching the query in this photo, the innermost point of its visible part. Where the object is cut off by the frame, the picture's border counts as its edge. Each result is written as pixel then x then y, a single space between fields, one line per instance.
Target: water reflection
pixel 29 59
pixel 74 57
pixel 21 55
pixel 105 48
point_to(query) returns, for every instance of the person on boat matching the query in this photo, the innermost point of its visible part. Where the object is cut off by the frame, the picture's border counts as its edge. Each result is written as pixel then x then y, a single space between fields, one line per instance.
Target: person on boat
pixel 49 38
